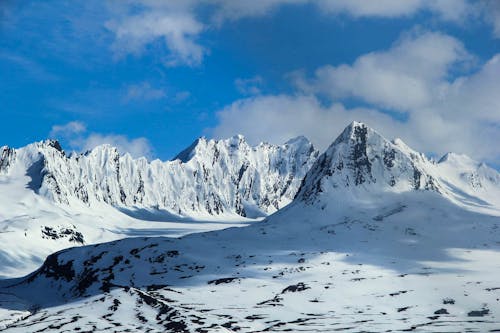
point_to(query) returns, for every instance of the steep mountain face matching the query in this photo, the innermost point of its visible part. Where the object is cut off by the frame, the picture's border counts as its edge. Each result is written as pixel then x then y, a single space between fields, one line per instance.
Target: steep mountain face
pixel 363 163
pixel 360 157
pixel 410 247
pixel 209 178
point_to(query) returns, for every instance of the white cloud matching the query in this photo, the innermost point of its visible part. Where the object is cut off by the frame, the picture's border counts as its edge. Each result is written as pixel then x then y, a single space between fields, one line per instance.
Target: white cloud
pixel 181 96
pixel 68 130
pixel 404 77
pixel 135 147
pixel 451 10
pixel 277 118
pixel 381 8
pixel 138 25
pixel 250 86
pixel 143 92
pixel 170 21
pixel 75 135
pixel 476 96
pixel 230 10
pixel 491 11
pixel 34 69
pixel 413 77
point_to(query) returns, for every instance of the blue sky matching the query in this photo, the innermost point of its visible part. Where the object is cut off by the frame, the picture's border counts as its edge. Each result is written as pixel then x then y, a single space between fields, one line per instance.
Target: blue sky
pixel 151 76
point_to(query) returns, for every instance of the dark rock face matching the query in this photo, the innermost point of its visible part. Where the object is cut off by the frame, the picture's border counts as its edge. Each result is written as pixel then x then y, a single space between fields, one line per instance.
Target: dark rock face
pixel 7 155
pixel 223 280
pixel 71 233
pixel 56 145
pixel 359 162
pixel 389 156
pixel 295 288
pixel 52 269
pixel 478 313
pixel 360 157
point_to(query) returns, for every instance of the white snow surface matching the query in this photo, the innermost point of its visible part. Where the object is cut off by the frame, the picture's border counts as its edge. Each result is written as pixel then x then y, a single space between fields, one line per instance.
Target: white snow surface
pixel 378 238
pixel 209 178
pixel 51 200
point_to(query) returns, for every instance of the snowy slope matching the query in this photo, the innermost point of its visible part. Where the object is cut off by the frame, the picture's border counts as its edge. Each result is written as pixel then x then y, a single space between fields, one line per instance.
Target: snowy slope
pixel 369 244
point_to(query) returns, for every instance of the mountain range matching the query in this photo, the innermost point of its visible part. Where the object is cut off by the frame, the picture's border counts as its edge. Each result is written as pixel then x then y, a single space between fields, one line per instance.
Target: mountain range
pixel 52 200
pixel 368 236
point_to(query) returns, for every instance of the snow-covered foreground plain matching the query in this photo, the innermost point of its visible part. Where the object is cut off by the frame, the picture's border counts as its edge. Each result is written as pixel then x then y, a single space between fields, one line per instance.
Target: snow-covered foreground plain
pixel 377 239
pixel 423 266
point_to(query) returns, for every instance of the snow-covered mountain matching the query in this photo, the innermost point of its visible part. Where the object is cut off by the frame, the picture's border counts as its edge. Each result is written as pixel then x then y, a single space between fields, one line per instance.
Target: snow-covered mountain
pixel 51 200
pixel 378 238
pixel 366 163
pixel 209 178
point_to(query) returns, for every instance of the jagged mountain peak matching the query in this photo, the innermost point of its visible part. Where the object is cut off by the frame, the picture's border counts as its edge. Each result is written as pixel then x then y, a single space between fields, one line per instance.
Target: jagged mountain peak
pixel 361 157
pixel 52 143
pixel 299 141
pixel 211 177
pixel 458 159
pixel 45 145
pixel 202 145
pixel 105 152
pixel 361 163
pixel 238 143
pixel 356 132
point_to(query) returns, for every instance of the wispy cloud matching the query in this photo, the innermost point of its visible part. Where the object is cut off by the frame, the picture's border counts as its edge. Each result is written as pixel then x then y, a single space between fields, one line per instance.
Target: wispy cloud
pixel 143 92
pixel 181 96
pixel 249 86
pixel 452 10
pixel 68 130
pixel 32 68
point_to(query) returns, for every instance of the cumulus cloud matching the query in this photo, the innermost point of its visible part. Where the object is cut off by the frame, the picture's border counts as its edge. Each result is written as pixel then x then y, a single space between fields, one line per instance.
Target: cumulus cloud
pixel 277 118
pixel 138 147
pixel 150 21
pixel 438 114
pixel 76 136
pixel 404 77
pixel 138 25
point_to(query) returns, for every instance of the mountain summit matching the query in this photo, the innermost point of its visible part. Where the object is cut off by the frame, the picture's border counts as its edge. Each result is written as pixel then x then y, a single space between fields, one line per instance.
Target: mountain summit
pixel 361 157
pixel 361 162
